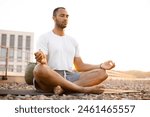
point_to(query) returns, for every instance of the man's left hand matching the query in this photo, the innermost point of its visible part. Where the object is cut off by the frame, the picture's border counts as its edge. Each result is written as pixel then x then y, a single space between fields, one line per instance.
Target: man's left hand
pixel 108 65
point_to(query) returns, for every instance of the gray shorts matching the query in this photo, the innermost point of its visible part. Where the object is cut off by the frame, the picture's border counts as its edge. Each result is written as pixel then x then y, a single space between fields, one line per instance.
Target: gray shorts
pixel 71 76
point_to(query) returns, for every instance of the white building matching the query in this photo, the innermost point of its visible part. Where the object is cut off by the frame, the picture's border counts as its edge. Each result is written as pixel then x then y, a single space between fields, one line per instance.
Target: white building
pixel 19 46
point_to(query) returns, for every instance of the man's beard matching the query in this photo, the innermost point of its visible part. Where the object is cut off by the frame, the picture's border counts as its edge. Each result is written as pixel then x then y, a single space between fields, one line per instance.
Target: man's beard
pixel 61 25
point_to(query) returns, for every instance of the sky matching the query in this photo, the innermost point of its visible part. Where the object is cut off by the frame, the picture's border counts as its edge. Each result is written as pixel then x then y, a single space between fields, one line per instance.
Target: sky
pixel 117 30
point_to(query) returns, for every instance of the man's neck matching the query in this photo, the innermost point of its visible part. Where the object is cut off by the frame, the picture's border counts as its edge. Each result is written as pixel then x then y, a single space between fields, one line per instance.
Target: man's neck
pixel 59 31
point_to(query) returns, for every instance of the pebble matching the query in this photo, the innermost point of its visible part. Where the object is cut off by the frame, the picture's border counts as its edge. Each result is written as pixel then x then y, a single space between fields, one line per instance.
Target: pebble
pixel 139 85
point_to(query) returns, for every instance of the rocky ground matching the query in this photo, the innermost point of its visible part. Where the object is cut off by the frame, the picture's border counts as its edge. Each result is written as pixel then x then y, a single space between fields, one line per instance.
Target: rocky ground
pixel 141 85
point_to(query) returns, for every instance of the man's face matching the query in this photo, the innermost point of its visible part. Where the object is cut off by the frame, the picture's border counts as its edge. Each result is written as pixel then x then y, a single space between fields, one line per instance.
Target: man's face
pixel 61 18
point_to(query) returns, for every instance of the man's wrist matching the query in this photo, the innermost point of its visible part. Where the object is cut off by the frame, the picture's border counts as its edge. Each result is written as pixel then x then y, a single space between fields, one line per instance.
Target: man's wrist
pixel 100 66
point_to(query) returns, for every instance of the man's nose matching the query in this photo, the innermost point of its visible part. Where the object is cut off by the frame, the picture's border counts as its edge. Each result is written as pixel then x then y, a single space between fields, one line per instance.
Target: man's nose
pixel 65 18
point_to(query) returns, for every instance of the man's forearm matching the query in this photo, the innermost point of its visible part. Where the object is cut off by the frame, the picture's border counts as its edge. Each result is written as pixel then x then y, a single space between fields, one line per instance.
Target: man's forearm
pixel 88 67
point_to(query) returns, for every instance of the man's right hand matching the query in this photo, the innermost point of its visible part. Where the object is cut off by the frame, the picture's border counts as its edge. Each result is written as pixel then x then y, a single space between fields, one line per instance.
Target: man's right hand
pixel 40 57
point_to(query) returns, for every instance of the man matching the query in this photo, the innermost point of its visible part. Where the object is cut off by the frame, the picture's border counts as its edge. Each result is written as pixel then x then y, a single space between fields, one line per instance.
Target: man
pixel 56 56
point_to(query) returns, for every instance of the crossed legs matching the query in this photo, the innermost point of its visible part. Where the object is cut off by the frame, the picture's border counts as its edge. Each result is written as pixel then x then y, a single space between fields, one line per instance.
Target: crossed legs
pixel 91 78
pixel 48 80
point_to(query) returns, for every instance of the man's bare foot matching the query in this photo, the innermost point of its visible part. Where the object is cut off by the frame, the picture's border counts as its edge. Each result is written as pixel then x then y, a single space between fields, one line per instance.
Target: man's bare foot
pixel 58 90
pixel 96 89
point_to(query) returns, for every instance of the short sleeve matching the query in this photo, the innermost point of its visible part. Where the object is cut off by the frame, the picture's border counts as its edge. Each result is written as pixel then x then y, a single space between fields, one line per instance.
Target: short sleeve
pixel 42 44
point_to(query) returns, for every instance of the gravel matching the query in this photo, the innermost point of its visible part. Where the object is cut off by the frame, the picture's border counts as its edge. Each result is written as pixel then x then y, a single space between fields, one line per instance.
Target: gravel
pixel 141 85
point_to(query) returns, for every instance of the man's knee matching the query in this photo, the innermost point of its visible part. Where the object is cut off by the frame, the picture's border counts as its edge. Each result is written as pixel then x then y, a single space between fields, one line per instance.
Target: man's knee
pixel 40 71
pixel 102 74
pixel 41 68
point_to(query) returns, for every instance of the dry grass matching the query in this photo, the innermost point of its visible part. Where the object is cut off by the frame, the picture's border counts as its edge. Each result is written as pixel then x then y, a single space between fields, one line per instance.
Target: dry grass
pixel 129 74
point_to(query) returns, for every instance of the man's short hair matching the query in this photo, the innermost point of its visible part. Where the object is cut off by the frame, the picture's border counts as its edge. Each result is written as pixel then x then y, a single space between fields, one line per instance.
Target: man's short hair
pixel 56 9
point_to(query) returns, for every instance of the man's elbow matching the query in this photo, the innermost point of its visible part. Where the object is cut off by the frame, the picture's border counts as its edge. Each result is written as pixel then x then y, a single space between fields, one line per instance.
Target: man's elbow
pixel 80 68
pixel 77 68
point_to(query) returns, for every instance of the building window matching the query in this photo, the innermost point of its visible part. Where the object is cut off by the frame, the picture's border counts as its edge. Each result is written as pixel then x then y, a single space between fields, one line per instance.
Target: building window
pixel 20 40
pixel 19 55
pixel 2 68
pixel 27 56
pixel 28 41
pixel 4 40
pixel 3 54
pixel 11 54
pixel 10 68
pixel 12 41
pixel 19 68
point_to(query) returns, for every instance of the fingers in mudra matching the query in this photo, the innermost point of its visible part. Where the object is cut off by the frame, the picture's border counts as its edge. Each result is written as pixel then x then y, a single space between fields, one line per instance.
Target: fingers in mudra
pixel 40 57
pixel 112 64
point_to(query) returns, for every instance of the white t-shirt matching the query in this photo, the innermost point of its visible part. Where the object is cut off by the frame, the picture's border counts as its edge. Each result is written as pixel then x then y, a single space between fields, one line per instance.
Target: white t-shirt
pixel 61 50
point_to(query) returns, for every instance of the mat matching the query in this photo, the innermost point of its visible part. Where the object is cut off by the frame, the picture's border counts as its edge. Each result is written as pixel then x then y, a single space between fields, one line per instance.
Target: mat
pixel 120 91
pixel 35 92
pixel 23 92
